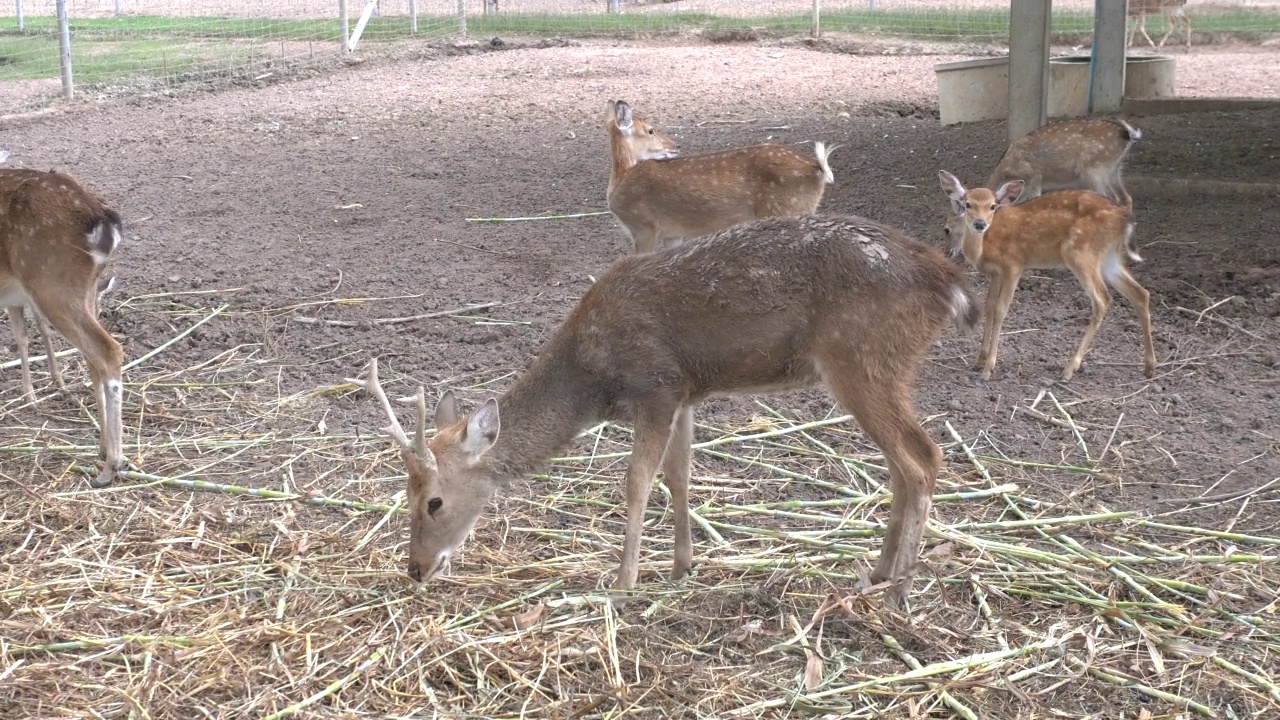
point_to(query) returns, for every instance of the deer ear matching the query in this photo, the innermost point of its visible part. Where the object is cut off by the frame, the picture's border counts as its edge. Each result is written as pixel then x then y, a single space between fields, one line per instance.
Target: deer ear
pixel 482 430
pixel 951 185
pixel 446 412
pixel 622 116
pixel 1010 192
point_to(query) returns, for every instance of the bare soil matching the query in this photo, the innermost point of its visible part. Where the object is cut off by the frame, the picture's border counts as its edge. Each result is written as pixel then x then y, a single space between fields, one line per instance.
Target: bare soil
pixel 363 184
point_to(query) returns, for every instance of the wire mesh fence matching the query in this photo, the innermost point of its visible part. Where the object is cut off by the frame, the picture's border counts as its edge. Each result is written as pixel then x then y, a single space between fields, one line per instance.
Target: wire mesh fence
pixel 150 43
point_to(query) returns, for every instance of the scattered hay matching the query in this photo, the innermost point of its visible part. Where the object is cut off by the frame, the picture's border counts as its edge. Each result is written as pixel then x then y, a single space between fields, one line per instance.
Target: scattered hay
pixel 255 570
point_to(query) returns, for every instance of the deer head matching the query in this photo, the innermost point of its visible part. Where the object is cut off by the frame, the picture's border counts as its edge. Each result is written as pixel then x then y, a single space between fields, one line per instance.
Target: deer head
pixel 972 212
pixel 640 139
pixel 448 483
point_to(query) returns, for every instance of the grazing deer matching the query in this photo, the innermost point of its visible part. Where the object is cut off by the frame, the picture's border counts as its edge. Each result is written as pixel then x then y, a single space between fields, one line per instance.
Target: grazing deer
pixel 659 196
pixel 1173 10
pixel 1069 154
pixel 768 306
pixel 55 240
pixel 1076 229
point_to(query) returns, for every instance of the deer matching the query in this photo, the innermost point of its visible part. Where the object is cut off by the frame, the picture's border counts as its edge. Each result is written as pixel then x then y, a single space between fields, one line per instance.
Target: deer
pixel 1068 154
pixel 660 196
pixel 1080 230
pixel 767 306
pixel 56 239
pixel 1173 10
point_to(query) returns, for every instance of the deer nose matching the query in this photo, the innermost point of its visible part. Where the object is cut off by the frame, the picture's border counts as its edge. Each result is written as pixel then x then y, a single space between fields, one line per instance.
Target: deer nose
pixel 979 225
pixel 414 573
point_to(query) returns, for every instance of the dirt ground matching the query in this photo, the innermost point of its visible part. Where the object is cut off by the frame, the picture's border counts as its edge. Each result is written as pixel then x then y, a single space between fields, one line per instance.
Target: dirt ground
pixel 363 184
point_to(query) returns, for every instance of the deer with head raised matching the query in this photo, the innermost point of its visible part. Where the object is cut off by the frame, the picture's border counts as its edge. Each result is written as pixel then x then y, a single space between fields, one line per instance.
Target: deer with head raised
pixel 1077 229
pixel 767 306
pixel 1079 154
pixel 55 241
pixel 659 195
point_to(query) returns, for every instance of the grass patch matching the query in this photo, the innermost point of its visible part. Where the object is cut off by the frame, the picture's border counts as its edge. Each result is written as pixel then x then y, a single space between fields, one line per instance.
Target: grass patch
pixel 105 49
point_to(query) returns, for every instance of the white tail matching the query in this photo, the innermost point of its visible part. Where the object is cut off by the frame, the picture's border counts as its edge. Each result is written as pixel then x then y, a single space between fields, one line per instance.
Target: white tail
pixel 767 306
pixel 1076 229
pixel 55 241
pixel 659 196
pixel 1173 10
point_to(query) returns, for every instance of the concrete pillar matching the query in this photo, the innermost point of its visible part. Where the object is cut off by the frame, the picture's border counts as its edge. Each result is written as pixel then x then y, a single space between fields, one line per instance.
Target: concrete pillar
pixel 1106 82
pixel 1028 66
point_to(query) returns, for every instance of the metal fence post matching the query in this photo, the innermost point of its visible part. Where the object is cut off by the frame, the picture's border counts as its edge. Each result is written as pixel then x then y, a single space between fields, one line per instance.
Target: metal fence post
pixel 462 17
pixel 613 6
pixel 816 30
pixel 64 41
pixel 22 23
pixel 413 16
pixel 346 26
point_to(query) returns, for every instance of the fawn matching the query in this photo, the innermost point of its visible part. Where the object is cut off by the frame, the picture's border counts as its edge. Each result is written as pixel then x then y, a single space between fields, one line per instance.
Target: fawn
pixel 767 306
pixel 1076 229
pixel 1068 154
pixel 659 196
pixel 1173 10
pixel 55 241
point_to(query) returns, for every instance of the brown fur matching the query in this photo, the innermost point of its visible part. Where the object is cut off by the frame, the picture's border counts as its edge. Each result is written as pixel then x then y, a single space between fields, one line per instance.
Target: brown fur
pixel 763 307
pixel 659 197
pixel 50 228
pixel 1076 229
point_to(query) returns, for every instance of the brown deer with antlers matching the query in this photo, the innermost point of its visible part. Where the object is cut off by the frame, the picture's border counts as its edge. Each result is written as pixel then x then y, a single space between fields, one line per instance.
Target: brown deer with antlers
pixel 56 239
pixel 772 305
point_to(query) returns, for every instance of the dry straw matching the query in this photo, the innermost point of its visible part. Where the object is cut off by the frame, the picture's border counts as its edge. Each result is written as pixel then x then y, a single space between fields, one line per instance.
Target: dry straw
pixel 255 570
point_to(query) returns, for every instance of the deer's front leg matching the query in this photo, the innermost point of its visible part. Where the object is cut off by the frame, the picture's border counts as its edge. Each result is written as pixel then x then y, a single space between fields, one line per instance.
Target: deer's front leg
pixel 651 433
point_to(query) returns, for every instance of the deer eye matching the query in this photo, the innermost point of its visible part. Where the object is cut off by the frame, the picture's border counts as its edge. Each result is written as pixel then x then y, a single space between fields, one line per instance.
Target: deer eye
pixel 993 207
pixel 946 230
pixel 968 205
pixel 651 131
pixel 433 505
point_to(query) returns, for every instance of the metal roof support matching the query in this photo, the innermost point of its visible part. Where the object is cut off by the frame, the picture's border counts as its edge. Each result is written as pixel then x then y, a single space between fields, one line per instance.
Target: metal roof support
pixel 1106 80
pixel 1028 66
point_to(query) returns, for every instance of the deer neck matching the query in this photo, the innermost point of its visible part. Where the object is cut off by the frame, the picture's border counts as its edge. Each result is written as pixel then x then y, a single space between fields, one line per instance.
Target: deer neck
pixel 624 158
pixel 543 413
pixel 971 245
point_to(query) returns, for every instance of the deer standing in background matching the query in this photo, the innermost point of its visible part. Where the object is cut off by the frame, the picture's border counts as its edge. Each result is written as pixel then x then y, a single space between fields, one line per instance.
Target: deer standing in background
pixel 1069 154
pixel 55 241
pixel 659 196
pixel 1173 10
pixel 1076 229
pixel 772 305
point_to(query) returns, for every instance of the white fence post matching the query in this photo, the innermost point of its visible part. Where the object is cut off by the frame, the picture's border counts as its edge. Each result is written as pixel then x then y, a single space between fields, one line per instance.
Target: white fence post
pixel 117 8
pixel 613 6
pixel 64 40
pixel 816 31
pixel 22 24
pixel 462 17
pixel 346 26
pixel 413 16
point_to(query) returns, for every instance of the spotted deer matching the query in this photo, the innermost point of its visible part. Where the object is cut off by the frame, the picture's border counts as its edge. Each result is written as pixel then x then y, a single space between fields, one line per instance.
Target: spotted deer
pixel 1068 154
pixel 768 306
pixel 661 196
pixel 1077 229
pixel 56 239
pixel 1173 10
